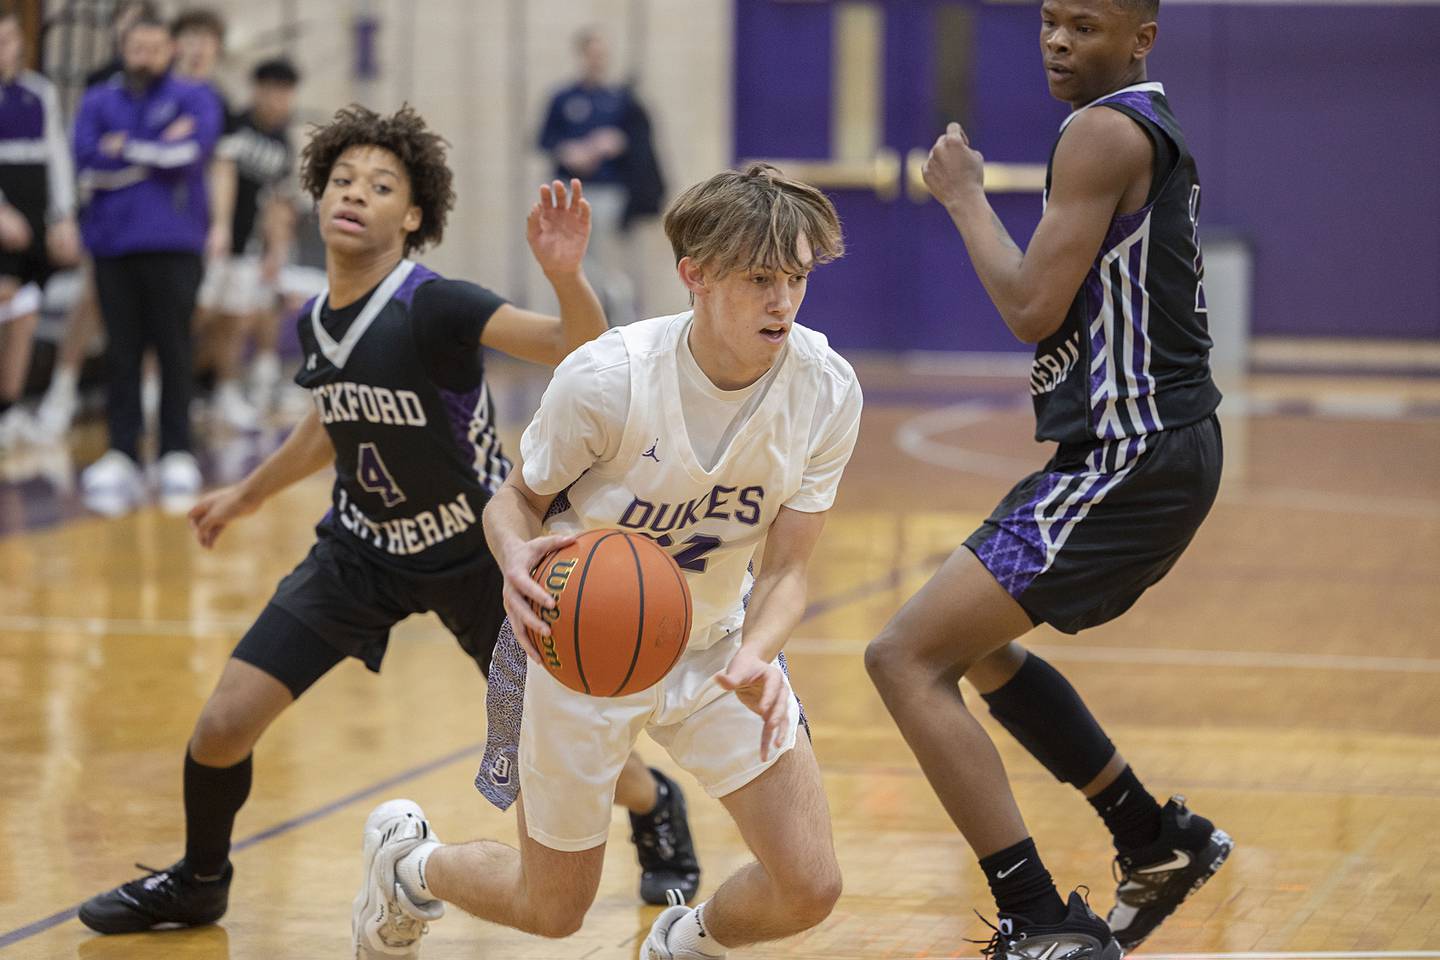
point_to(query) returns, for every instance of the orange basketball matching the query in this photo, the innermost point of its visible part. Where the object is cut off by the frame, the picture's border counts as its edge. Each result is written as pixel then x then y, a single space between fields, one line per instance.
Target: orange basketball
pixel 622 616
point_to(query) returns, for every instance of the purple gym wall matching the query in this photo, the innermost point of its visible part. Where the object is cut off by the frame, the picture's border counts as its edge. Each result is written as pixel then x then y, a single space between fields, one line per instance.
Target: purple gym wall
pixel 1316 129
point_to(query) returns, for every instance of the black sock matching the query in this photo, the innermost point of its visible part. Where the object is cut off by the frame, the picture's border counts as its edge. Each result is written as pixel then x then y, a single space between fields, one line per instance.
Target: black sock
pixel 1022 886
pixel 213 795
pixel 1129 811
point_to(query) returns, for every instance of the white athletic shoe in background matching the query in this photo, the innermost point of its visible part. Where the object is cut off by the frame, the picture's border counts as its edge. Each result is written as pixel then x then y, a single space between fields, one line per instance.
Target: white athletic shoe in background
pixel 177 480
pixel 17 429
pixel 384 923
pixel 113 484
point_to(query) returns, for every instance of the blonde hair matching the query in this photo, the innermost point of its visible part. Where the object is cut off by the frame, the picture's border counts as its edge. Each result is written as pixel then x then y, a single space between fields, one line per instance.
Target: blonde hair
pixel 738 220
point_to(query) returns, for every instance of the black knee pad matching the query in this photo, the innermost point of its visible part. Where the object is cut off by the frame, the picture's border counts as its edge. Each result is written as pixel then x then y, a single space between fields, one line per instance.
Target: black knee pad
pixel 1044 713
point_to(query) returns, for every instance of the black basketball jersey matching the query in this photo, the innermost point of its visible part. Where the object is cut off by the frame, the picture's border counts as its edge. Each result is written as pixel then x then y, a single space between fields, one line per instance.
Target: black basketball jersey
pixel 415 462
pixel 1133 354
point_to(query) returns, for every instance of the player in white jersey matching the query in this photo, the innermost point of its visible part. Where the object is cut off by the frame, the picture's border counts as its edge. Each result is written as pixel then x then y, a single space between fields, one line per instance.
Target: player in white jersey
pixel 713 431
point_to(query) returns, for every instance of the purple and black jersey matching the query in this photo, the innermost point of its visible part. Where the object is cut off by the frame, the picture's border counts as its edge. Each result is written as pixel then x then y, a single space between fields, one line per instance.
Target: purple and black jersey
pixel 1132 356
pixel 398 383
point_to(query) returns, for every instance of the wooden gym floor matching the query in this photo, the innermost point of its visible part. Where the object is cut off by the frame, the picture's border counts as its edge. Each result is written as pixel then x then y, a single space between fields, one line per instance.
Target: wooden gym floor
pixel 1285 677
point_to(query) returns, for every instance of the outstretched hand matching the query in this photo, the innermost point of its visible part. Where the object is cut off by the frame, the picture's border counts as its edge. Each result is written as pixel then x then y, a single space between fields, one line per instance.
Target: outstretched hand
pixel 558 227
pixel 761 687
pixel 214 512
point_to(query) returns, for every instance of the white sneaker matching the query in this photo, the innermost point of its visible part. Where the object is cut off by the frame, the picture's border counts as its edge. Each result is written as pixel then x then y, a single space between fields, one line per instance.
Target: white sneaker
pixel 113 484
pixel 177 479
pixel 230 407
pixel 657 947
pixel 16 429
pixel 384 921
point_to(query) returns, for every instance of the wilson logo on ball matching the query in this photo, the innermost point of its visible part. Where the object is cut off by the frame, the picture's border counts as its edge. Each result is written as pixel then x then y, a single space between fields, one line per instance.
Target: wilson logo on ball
pixel 555 581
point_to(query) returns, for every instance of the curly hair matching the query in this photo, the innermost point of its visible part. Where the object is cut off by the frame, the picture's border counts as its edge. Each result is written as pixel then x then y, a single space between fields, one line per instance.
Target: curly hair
pixel 403 133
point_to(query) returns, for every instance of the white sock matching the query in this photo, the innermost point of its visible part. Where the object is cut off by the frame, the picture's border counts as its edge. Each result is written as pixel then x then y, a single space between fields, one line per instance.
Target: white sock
pixel 689 933
pixel 64 381
pixel 228 391
pixel 410 871
pixel 265 367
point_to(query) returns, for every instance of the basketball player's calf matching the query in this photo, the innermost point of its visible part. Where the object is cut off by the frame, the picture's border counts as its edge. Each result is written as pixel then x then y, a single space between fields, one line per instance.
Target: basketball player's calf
pixel 273 665
pixel 1162 854
pixel 791 887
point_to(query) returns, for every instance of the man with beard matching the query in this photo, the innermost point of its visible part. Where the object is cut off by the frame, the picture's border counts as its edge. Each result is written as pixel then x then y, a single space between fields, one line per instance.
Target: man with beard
pixel 142 141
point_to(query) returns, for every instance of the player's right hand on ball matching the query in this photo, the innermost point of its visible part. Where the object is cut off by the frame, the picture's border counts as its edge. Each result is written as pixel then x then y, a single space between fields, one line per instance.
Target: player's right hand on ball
pixel 521 589
pixel 216 509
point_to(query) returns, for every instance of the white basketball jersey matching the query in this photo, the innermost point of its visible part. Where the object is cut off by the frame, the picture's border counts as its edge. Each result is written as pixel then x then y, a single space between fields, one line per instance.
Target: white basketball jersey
pixel 710 521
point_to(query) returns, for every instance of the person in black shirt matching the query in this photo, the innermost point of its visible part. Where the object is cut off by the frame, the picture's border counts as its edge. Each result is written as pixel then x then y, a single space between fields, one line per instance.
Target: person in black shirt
pixel 1109 292
pixel 401 410
pixel 242 285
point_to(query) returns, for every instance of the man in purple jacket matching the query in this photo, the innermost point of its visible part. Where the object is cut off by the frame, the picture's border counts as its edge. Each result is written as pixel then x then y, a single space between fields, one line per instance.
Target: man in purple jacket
pixel 142 141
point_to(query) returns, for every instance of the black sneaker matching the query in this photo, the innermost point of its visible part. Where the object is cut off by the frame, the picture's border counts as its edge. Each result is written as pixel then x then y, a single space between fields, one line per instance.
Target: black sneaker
pixel 1156 879
pixel 663 847
pixel 1080 936
pixel 161 898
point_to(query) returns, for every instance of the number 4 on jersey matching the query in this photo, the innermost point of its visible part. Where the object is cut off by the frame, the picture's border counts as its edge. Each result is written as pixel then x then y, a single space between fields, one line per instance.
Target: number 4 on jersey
pixel 375 478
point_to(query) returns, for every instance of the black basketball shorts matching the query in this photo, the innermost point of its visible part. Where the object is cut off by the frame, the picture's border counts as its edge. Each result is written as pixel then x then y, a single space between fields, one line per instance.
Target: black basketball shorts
pixel 352 601
pixel 1078 542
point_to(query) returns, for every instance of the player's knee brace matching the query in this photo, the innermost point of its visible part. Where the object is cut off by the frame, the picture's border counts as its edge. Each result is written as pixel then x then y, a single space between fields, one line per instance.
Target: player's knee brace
pixel 1042 710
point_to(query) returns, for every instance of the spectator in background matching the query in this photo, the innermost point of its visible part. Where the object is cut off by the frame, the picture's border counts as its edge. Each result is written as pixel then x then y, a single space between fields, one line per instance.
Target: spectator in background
pixel 199 35
pixel 142 142
pixel 241 287
pixel 62 397
pixel 37 226
pixel 598 131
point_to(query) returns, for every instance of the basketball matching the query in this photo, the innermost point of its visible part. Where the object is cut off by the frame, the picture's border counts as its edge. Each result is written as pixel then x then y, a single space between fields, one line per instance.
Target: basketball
pixel 622 613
